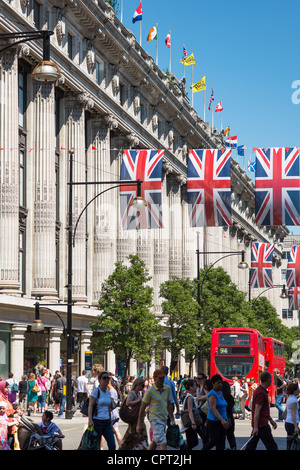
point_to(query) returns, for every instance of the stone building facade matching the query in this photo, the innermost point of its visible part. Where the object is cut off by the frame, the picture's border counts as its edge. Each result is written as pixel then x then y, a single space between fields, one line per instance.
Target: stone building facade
pixel 110 96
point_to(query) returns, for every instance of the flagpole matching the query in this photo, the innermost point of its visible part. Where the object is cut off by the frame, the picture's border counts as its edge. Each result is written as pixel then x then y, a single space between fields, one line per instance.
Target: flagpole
pixel 141 33
pixel 192 85
pixel 157 43
pixel 221 121
pixel 204 103
pixel 170 53
pixel 121 11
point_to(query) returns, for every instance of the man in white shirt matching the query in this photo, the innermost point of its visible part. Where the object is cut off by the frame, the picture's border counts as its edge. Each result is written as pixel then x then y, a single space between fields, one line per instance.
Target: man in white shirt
pixel 82 388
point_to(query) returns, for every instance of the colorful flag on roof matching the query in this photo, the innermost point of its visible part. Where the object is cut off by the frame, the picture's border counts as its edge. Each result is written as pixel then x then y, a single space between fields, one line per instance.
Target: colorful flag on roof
pixel 137 16
pixel 152 33
pixel 293 267
pixel 251 166
pixel 241 150
pixel 277 186
pixel 261 265
pixel 209 188
pixel 294 298
pixel 231 142
pixel 227 131
pixel 168 40
pixel 190 60
pixel 219 107
pixel 145 165
pixel 212 97
pixel 184 54
pixel 199 86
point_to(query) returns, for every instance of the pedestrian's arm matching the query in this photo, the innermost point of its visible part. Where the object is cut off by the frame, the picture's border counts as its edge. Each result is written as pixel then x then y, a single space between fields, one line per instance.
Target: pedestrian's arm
pixel 256 417
pixel 141 417
pixel 190 410
pixel 294 416
pixel 170 411
pixel 90 410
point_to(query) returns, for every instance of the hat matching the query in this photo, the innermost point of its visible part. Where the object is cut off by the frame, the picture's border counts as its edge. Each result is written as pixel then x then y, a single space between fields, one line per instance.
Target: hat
pixel 158 373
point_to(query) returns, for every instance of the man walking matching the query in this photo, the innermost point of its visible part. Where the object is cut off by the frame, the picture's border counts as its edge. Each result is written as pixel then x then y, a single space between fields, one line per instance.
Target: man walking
pixel 170 383
pixel 280 384
pixel 61 384
pixel 82 389
pixel 261 416
pixel 158 398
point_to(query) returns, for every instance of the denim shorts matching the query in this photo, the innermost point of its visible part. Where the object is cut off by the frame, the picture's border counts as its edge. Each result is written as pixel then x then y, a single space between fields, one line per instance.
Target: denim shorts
pixel 158 427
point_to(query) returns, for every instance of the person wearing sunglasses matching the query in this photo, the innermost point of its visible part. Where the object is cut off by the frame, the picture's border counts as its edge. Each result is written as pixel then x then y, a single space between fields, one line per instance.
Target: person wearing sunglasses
pixel 100 411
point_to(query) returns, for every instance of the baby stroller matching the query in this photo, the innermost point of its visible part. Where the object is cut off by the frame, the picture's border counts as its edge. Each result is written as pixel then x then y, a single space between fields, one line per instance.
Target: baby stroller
pixel 30 436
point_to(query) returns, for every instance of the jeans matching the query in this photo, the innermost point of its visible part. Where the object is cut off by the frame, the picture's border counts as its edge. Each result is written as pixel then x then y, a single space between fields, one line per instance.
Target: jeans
pixel 104 428
pixel 62 400
pixel 217 436
pixel 278 404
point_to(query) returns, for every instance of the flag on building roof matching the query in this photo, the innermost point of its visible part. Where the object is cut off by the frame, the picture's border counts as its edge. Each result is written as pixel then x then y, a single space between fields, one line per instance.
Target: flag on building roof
pixel 212 97
pixel 209 188
pixel 219 107
pixel 277 186
pixel 261 265
pixel 152 33
pixel 231 142
pixel 199 86
pixel 251 166
pixel 190 60
pixel 241 150
pixel 184 54
pixel 227 131
pixel 294 298
pixel 137 16
pixel 293 267
pixel 145 165
pixel 168 40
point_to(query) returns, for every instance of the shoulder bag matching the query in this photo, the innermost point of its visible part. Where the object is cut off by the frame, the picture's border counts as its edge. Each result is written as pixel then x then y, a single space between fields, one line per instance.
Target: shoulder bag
pixel 185 417
pixel 129 414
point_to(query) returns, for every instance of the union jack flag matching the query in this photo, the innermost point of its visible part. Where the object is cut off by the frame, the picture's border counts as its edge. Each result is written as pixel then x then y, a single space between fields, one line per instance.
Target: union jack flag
pixel 211 99
pixel 293 267
pixel 145 165
pixel 277 186
pixel 209 187
pixel 294 298
pixel 261 265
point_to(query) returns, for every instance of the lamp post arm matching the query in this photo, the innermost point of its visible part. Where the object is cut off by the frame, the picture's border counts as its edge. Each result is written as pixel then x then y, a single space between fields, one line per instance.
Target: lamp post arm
pixel 118 185
pixel 268 288
pixel 38 306
pixel 29 36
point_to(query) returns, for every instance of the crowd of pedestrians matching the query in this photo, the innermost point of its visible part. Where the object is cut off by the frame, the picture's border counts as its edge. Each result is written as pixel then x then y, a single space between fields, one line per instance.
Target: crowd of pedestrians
pixel 208 407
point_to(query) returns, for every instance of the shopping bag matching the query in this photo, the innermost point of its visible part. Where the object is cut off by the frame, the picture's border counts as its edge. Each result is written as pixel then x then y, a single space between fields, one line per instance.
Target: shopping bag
pixel 294 442
pixel 173 436
pixel 90 440
pixel 237 408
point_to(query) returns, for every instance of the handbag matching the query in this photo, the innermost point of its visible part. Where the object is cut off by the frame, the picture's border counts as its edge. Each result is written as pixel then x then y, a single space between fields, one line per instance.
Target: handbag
pixel 90 440
pixel 129 414
pixel 185 416
pixel 36 388
pixel 85 407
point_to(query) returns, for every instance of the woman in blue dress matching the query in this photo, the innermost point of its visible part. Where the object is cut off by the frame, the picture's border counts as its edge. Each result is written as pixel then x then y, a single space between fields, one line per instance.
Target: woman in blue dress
pixel 217 416
pixel 32 395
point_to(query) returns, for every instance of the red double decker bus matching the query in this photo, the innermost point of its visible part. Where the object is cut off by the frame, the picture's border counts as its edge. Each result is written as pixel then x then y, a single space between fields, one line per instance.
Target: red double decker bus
pixel 245 352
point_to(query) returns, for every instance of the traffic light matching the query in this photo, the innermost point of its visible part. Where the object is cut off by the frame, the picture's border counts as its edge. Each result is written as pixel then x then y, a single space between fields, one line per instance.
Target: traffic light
pixel 75 344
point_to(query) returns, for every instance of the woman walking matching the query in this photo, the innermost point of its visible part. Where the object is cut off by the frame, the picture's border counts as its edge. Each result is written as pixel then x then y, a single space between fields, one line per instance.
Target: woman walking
pixel 32 394
pixel 101 419
pixel 292 413
pixel 190 404
pixel 132 440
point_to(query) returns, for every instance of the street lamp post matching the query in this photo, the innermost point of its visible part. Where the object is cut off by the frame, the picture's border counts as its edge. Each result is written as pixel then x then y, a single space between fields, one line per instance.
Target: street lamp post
pixel 138 202
pixel 241 265
pixel 283 294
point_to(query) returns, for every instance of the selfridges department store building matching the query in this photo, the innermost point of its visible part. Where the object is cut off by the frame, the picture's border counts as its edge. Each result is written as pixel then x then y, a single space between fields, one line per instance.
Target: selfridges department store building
pixel 110 96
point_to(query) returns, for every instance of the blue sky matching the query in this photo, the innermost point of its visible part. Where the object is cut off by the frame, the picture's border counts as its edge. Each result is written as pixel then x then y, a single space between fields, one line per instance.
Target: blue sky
pixel 249 53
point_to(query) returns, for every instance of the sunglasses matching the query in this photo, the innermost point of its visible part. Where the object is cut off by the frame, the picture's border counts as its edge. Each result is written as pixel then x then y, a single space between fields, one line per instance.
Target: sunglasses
pixel 106 377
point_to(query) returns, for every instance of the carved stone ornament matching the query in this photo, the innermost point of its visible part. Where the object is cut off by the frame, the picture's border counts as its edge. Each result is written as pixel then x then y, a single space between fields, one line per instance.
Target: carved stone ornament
pixel 132 139
pixel 24 3
pixel 154 122
pixel 61 27
pixel 90 56
pixel 85 100
pixel 110 121
pixel 115 82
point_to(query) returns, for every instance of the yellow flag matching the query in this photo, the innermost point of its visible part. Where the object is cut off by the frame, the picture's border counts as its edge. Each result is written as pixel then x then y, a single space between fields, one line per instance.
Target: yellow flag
pixel 190 60
pixel 199 86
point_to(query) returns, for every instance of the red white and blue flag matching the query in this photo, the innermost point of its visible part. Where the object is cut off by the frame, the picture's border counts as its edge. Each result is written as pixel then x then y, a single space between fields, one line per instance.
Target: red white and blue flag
pixel 138 14
pixel 294 298
pixel 209 187
pixel 293 267
pixel 261 265
pixel 277 186
pixel 145 165
pixel 184 53
pixel 231 142
pixel 212 97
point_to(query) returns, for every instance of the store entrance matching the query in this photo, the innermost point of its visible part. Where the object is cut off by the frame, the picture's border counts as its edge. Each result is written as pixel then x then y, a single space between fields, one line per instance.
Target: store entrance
pixel 34 359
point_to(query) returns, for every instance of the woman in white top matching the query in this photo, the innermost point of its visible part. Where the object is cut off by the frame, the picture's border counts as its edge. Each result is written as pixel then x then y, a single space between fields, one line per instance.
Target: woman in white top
pixel 101 418
pixel 292 412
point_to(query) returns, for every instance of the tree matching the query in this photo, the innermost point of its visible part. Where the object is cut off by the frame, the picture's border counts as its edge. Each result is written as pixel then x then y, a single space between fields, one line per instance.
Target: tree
pixel 180 310
pixel 114 4
pixel 126 323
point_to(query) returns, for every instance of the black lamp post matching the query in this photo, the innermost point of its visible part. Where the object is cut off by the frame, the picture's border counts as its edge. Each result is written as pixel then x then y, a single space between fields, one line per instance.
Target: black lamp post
pixel 241 265
pixel 138 202
pixel 283 294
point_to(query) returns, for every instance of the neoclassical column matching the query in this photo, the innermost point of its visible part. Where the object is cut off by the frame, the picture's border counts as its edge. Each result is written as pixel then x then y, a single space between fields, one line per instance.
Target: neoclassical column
pixel 101 213
pixel 75 139
pixel 54 349
pixel 175 227
pixel 111 361
pixel 44 253
pixel 9 175
pixel 17 359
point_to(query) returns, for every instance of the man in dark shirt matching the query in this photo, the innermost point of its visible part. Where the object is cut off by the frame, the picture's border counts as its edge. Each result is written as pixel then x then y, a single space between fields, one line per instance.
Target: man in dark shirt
pixel 261 416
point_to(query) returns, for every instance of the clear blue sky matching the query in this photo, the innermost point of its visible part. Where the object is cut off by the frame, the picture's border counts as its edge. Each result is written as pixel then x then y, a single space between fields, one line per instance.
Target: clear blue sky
pixel 249 52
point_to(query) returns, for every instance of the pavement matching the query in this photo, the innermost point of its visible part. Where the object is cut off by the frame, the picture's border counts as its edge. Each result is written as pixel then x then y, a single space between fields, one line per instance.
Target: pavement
pixel 74 428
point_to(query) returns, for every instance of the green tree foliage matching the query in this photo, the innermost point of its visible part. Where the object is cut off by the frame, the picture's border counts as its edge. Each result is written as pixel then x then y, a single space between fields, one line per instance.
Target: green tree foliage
pixel 114 4
pixel 180 310
pixel 126 323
